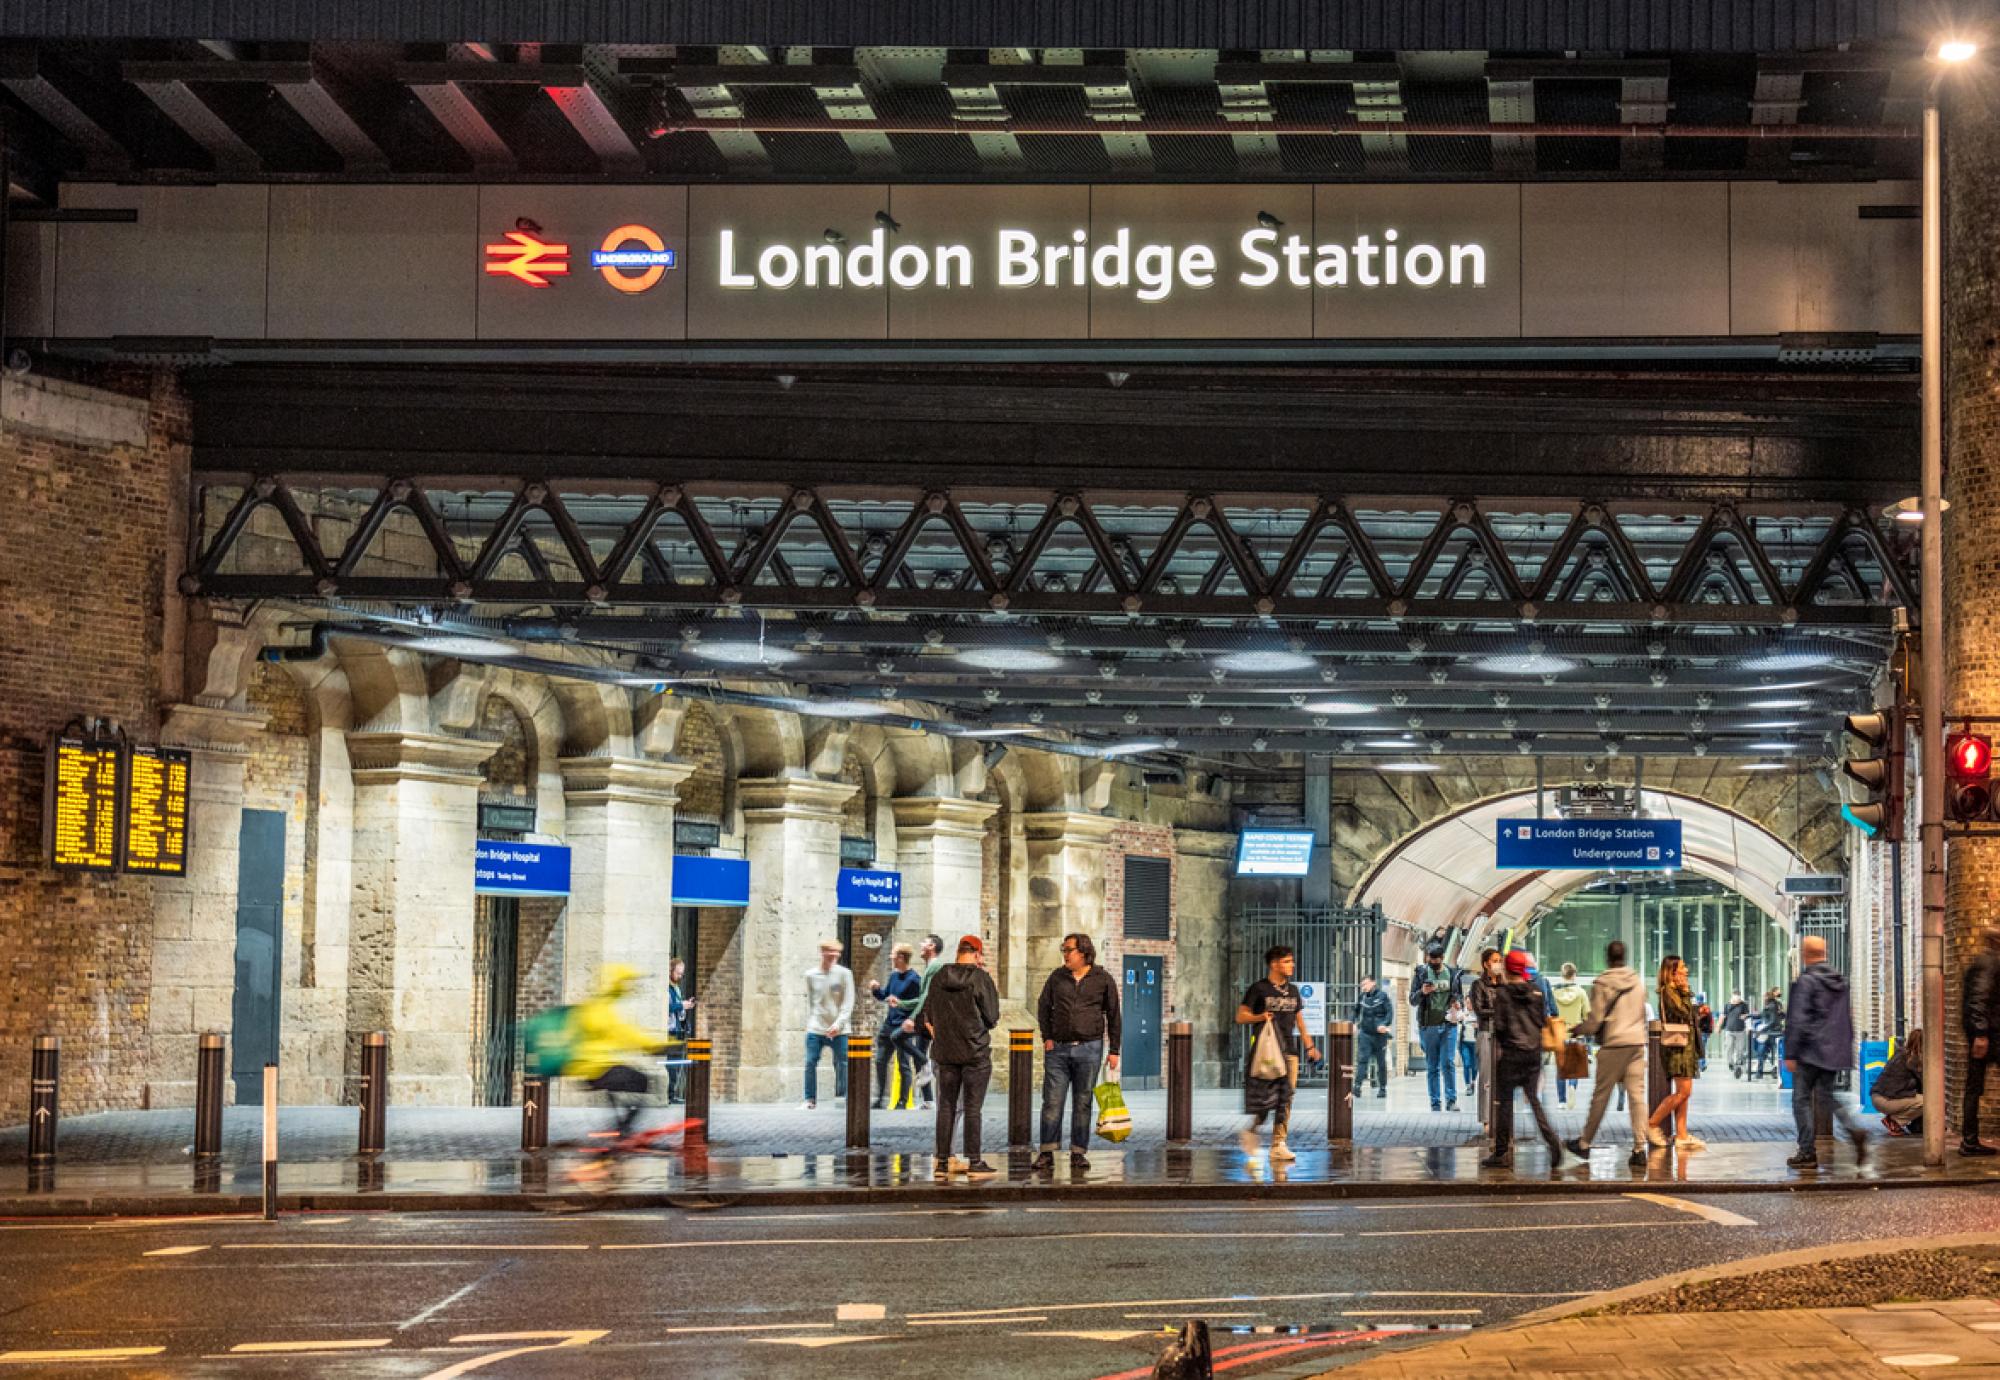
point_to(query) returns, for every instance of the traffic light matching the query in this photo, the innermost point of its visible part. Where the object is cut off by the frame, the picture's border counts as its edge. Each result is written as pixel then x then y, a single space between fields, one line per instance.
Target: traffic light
pixel 1968 764
pixel 1881 815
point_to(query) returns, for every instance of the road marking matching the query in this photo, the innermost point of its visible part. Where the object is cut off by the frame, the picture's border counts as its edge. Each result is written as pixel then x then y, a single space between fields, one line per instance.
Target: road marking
pixel 101 1353
pixel 389 1246
pixel 753 1327
pixel 780 1241
pixel 860 1312
pixel 177 1250
pixel 1009 1321
pixel 1002 1314
pixel 900 1241
pixel 1722 1217
pixel 1518 1203
pixel 814 1341
pixel 1192 1210
pixel 542 1341
pixel 418 1319
pixel 871 1214
pixel 1182 1317
pixel 265 1348
pixel 1518 1226
pixel 1403 1312
pixel 1917 1360
pixel 1107 1334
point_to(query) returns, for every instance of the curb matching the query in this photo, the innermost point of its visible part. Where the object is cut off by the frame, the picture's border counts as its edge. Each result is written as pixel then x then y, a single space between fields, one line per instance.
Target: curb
pixel 1750 1265
pixel 698 1198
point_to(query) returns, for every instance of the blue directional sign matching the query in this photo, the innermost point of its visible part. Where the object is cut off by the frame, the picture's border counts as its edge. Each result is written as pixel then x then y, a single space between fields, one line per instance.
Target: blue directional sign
pixel 520 869
pixel 707 881
pixel 868 891
pixel 1637 844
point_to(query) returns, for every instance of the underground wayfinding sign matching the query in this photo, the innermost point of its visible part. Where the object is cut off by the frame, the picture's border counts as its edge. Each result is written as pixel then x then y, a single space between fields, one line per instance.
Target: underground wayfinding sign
pixel 1588 843
pixel 520 869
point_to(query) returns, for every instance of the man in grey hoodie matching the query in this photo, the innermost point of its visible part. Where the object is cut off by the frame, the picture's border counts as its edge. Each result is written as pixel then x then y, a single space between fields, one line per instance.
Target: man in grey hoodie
pixel 1618 1019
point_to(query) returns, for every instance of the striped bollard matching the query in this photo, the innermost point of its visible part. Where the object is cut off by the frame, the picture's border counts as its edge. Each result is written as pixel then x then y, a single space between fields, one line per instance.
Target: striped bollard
pixel 1020 1080
pixel 860 1054
pixel 699 1053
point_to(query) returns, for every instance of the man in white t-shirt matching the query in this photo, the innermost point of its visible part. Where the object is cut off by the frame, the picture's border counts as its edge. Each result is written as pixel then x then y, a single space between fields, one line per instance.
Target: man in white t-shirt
pixel 829 1008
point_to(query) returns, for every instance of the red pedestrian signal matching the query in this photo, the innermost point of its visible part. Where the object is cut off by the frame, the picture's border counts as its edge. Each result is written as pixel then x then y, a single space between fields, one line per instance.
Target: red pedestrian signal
pixel 1968 762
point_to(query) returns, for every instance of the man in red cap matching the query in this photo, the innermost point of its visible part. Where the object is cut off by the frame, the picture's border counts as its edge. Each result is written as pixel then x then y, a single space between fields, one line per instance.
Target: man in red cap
pixel 960 1012
pixel 1519 1014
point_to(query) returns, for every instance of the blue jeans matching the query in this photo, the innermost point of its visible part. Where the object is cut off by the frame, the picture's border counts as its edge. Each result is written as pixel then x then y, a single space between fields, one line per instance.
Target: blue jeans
pixel 1437 1041
pixel 1811 1084
pixel 1371 1053
pixel 1069 1070
pixel 1468 1057
pixel 815 1042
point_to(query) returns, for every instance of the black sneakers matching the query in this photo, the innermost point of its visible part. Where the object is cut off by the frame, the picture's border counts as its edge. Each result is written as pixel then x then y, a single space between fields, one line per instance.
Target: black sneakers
pixel 980 1169
pixel 1077 1162
pixel 1805 1159
pixel 1045 1163
pixel 1976 1148
pixel 1577 1148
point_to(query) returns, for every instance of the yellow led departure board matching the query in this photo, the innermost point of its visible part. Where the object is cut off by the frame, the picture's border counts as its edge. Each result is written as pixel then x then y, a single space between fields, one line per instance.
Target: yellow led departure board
pixel 156 812
pixel 81 806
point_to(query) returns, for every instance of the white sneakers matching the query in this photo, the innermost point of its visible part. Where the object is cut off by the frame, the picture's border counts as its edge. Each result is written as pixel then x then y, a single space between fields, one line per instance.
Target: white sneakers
pixel 1281 1151
pixel 1251 1145
pixel 1690 1143
pixel 1656 1138
pixel 807 1105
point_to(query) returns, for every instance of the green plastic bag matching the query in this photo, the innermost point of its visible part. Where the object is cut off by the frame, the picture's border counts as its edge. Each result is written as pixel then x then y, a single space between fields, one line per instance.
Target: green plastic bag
pixel 546 1042
pixel 1114 1120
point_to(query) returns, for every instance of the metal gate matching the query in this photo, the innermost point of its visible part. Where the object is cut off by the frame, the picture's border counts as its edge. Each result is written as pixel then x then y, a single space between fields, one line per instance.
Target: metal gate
pixel 1826 918
pixel 1337 945
pixel 496 943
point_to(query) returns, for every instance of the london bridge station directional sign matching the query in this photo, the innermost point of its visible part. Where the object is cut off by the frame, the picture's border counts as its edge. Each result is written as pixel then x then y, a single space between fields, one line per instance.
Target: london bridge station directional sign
pixel 113 808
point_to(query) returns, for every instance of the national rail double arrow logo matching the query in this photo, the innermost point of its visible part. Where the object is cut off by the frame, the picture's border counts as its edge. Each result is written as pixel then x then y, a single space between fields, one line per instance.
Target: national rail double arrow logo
pixel 632 258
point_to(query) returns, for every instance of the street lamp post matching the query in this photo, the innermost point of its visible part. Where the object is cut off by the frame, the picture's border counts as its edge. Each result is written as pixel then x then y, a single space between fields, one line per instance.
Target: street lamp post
pixel 1931 689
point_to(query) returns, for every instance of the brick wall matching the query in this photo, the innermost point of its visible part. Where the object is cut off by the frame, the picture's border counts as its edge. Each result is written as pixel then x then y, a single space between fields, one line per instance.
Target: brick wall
pixel 700 743
pixel 84 552
pixel 1971 613
pixel 716 975
pixel 1152 841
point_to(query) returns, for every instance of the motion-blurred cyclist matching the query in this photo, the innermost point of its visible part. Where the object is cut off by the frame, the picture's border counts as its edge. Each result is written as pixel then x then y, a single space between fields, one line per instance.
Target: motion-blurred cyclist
pixel 605 1047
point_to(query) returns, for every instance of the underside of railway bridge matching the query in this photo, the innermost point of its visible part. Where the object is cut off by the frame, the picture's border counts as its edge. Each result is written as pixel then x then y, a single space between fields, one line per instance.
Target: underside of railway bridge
pixel 360 444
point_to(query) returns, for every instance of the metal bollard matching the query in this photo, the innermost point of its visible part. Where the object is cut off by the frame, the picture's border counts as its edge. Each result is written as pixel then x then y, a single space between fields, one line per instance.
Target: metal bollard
pixel 1180 1082
pixel 374 1092
pixel 44 1083
pixel 1658 1085
pixel 208 1084
pixel 1340 1082
pixel 270 1142
pixel 1020 1089
pixel 534 1113
pixel 860 1057
pixel 700 1053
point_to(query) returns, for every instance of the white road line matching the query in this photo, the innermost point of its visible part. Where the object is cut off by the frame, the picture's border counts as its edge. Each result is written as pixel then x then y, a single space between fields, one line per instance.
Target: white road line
pixel 387 1246
pixel 1096 1335
pixel 1177 1317
pixel 781 1241
pixel 860 1312
pixel 1518 1203
pixel 1406 1312
pixel 177 1250
pixel 872 1214
pixel 814 1342
pixel 962 1240
pixel 539 1341
pixel 101 1353
pixel 1010 1319
pixel 418 1319
pixel 1518 1226
pixel 1190 1209
pixel 964 1313
pixel 751 1327
pixel 1722 1217
pixel 271 1348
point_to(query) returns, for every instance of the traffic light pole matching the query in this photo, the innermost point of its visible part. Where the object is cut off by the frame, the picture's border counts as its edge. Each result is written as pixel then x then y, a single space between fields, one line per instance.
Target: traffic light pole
pixel 1930 696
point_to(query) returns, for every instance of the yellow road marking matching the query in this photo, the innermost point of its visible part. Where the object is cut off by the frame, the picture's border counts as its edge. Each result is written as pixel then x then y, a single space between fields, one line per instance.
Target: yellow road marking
pixel 177 1250
pixel 357 1344
pixel 757 1327
pixel 101 1353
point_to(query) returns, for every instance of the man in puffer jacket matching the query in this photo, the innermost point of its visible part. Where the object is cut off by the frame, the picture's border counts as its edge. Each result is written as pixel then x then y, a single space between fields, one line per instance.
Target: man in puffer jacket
pixel 1518 1015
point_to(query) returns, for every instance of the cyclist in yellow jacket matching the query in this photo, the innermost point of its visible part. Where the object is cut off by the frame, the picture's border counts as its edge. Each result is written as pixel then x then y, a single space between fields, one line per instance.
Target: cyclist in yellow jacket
pixel 604 1046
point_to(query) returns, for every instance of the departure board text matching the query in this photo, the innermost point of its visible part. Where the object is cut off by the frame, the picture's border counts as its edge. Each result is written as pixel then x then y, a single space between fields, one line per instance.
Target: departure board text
pixel 82 805
pixel 156 812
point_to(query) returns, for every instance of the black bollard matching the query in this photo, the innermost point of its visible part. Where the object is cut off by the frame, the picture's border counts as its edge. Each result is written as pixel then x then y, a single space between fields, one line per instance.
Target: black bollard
pixel 1020 1087
pixel 374 1092
pixel 270 1142
pixel 1180 1082
pixel 1658 1085
pixel 1340 1082
pixel 860 1056
pixel 699 1054
pixel 534 1113
pixel 44 1083
pixel 208 1085
pixel 1486 1053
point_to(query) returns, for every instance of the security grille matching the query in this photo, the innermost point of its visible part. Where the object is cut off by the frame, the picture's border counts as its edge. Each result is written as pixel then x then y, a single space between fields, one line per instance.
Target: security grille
pixel 1338 946
pixel 1148 888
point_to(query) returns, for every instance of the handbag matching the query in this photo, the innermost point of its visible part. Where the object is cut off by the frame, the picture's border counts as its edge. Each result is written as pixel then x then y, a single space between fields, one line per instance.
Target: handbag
pixel 1267 1056
pixel 1555 1034
pixel 1573 1060
pixel 1674 1036
pixel 1114 1119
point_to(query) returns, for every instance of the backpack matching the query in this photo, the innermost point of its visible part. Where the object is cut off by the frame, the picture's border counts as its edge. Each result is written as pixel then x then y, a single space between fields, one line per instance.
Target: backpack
pixel 546 1042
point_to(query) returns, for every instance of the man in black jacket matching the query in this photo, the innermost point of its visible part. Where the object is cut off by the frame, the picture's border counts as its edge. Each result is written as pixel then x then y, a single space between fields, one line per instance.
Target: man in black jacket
pixel 960 1013
pixel 1517 1014
pixel 1079 1020
pixel 1374 1023
pixel 1980 1010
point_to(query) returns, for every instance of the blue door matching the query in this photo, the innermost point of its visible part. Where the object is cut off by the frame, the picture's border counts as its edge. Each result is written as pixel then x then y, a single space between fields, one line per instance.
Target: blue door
pixel 1139 1065
pixel 260 906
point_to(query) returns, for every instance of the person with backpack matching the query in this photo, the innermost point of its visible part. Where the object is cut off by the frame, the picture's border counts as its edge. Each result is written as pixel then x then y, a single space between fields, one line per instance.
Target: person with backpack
pixel 1430 994
pixel 960 1012
pixel 1572 1006
pixel 605 1048
pixel 1617 1020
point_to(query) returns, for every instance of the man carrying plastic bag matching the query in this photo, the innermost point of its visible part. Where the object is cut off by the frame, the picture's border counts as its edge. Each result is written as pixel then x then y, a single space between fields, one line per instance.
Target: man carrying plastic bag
pixel 1274 1006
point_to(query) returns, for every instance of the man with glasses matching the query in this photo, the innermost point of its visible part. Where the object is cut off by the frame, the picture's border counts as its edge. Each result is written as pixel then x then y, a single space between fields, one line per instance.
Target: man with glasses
pixel 1078 1016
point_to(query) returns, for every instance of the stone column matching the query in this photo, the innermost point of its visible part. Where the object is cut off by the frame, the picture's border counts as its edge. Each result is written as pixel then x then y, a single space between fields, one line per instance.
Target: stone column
pixel 938 842
pixel 194 916
pixel 1970 618
pixel 791 827
pixel 1201 947
pixel 1065 884
pixel 620 831
pixel 416 820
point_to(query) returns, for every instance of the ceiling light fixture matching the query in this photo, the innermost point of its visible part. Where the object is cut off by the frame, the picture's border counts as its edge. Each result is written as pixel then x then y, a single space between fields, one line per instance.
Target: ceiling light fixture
pixel 1406 766
pixel 1264 662
pixel 1009 659
pixel 1525 664
pixel 1338 707
pixel 1795 660
pixel 745 653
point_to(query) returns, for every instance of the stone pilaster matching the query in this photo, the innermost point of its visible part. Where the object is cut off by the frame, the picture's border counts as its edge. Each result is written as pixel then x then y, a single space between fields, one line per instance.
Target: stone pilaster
pixel 194 916
pixel 1066 852
pixel 620 830
pixel 938 843
pixel 1970 618
pixel 791 828
pixel 1201 951
pixel 410 939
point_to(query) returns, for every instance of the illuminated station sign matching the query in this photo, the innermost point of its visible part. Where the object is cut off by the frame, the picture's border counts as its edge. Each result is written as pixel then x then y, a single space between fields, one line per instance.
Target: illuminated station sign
pixel 81 805
pixel 156 812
